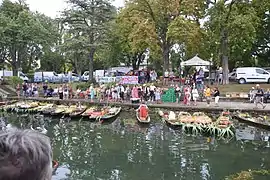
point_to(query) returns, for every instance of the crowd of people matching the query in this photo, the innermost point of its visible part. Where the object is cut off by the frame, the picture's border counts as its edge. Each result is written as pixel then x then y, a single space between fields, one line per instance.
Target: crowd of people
pixel 188 94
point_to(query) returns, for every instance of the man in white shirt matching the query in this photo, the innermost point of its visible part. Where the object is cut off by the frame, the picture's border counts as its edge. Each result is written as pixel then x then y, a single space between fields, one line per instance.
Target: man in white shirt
pixel 152 92
pixel 166 77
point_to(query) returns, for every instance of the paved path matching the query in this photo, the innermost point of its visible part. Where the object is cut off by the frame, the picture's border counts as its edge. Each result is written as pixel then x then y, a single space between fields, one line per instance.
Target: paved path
pixel 234 106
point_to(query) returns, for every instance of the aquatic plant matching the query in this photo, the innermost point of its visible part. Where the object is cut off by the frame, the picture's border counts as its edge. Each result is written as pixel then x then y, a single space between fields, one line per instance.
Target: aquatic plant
pixel 248 175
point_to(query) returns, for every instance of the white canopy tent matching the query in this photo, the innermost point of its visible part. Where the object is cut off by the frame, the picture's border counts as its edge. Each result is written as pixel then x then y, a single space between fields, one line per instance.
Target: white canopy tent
pixel 196 61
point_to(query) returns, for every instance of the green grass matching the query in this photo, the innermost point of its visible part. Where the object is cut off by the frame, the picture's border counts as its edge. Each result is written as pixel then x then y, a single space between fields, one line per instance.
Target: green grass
pixel 239 88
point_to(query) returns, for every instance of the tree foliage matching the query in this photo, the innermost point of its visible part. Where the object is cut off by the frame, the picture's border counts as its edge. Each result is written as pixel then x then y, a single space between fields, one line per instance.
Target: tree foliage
pixel 23 35
pixel 86 21
pixel 91 34
pixel 162 23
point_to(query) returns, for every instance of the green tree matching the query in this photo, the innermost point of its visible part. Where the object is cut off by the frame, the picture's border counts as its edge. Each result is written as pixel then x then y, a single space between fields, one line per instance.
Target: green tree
pixel 23 35
pixel 87 21
pixel 153 22
pixel 261 46
pixel 232 30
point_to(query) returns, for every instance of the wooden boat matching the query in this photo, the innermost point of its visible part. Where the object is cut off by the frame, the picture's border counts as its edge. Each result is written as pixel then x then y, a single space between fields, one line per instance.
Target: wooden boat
pixel 201 118
pixel 44 107
pixel 111 114
pixel 185 117
pixel 59 110
pixel 260 122
pixel 88 111
pixel 78 112
pixel 48 110
pixel 143 120
pixel 95 115
pixel 69 110
pixel 28 105
pixel 170 119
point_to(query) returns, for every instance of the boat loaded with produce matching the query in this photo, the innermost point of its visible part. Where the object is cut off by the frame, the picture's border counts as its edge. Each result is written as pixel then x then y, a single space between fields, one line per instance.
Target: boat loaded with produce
pixel 261 121
pixel 199 122
pixel 73 111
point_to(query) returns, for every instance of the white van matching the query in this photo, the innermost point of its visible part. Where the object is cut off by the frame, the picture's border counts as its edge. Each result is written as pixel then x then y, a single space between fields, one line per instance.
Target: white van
pixel 252 75
pixel 96 73
pixel 23 77
pixel 7 73
pixel 49 76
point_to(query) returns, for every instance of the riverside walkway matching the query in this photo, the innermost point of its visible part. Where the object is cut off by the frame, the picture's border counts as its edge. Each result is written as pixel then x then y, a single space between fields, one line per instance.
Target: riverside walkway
pixel 201 106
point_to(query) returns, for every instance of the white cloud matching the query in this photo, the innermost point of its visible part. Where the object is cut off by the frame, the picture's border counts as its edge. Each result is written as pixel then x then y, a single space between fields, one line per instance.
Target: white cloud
pixel 53 8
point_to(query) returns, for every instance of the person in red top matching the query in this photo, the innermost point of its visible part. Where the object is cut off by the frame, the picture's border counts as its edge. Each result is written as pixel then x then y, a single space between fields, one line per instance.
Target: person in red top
pixel 143 111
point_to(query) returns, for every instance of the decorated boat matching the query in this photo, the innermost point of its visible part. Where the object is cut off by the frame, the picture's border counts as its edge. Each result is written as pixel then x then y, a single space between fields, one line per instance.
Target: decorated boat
pixel 78 112
pixel 223 127
pixel 28 105
pixel 110 113
pixel 141 119
pixel 185 117
pixel 59 110
pixel 261 121
pixel 201 118
pixel 69 110
pixel 46 110
pixel 170 118
pixel 88 111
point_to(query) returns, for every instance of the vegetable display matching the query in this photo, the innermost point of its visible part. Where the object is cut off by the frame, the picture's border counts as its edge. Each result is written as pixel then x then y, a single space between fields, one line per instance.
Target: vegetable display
pixel 200 123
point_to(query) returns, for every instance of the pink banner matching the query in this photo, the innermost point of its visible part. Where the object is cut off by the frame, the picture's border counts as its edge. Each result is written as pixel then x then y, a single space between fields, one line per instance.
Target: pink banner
pixel 129 80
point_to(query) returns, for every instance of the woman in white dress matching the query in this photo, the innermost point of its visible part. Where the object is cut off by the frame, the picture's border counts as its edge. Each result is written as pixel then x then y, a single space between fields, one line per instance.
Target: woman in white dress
pixel 195 95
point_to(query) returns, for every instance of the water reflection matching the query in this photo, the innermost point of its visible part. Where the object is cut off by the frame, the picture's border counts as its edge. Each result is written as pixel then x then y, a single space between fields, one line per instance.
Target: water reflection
pixel 126 150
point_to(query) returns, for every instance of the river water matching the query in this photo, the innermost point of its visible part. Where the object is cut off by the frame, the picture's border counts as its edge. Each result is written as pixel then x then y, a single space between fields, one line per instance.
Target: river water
pixel 125 150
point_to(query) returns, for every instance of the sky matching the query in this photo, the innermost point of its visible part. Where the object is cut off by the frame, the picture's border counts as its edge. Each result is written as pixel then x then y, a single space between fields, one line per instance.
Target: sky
pixel 52 8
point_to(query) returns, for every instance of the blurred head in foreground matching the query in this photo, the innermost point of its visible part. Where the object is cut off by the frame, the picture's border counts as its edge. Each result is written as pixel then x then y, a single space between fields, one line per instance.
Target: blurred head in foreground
pixel 25 155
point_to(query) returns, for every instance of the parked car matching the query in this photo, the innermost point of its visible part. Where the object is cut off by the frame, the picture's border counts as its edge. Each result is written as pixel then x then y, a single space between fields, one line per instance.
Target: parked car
pixel 7 73
pixel 232 76
pixel 49 76
pixel 252 75
pixel 73 78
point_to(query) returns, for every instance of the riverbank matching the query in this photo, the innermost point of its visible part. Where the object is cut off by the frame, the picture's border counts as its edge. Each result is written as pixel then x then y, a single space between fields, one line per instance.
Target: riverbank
pixel 201 106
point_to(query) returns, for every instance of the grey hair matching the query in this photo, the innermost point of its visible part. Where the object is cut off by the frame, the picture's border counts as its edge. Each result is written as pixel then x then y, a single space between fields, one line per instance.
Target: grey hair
pixel 25 155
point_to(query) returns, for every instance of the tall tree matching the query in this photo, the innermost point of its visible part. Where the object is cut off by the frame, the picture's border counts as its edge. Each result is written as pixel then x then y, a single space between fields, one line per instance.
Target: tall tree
pixel 232 28
pixel 261 46
pixel 23 34
pixel 87 21
pixel 152 20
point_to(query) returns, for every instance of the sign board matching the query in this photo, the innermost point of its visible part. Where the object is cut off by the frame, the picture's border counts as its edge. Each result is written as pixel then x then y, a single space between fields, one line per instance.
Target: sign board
pixel 106 79
pixel 129 80
pixel 119 79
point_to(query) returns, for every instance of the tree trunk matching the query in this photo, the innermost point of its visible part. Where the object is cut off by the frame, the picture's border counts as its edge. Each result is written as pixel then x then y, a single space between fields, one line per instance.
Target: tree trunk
pixel 14 61
pixel 165 55
pixel 91 63
pixel 224 56
pixel 134 64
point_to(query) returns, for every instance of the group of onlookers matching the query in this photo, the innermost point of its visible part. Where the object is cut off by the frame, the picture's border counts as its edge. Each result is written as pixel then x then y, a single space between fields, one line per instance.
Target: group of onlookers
pixel 28 89
pixel 121 92
pixel 258 96
pixel 191 95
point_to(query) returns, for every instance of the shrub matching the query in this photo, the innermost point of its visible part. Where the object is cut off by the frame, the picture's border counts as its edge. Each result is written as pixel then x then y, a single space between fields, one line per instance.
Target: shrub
pixel 13 81
pixel 83 86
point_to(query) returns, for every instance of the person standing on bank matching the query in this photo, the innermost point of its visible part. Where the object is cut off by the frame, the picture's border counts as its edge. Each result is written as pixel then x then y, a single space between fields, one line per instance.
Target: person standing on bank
pixel 259 97
pixel 207 94
pixel 216 95
pixel 60 92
